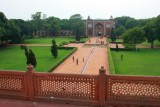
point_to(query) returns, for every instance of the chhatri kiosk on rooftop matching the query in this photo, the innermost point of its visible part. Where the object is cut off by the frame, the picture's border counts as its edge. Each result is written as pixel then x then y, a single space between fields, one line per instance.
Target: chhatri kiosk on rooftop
pixel 99 27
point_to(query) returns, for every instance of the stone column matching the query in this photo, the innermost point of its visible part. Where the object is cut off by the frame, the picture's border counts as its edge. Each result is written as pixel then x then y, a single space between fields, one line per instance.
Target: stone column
pixel 30 81
pixel 93 28
pixel 86 27
pixel 104 28
pixel 102 86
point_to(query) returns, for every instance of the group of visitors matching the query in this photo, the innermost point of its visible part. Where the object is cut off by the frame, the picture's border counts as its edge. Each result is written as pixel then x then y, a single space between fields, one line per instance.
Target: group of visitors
pixel 98 40
pixel 77 60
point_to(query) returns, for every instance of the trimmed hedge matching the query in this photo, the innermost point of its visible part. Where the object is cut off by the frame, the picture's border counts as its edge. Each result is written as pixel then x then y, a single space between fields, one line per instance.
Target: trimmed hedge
pixel 116 42
pixel 123 49
pixel 111 63
pixel 67 48
pixel 82 41
pixel 77 42
pixel 74 49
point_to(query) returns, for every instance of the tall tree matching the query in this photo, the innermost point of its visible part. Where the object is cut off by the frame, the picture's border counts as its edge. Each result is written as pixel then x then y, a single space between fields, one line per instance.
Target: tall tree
pixel 14 32
pixel 54 50
pixel 77 25
pixel 52 24
pixel 120 30
pixel 157 22
pixel 2 34
pixel 133 36
pixel 130 23
pixel 37 21
pixel 142 22
pixel 64 24
pixel 150 32
pixel 121 21
pixel 113 36
pixel 9 30
pixel 23 25
pixel 3 27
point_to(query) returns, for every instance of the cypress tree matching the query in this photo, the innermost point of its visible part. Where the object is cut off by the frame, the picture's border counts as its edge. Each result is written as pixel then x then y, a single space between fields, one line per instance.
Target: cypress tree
pixel 26 54
pixel 54 49
pixel 32 58
pixel 112 35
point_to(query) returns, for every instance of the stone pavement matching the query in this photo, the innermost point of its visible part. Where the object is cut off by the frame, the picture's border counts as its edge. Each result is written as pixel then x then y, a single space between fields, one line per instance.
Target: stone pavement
pixel 94 56
pixel 21 103
pixel 111 45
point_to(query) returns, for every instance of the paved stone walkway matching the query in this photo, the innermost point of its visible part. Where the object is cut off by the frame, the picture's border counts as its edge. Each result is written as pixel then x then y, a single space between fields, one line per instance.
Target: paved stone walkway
pixel 21 103
pixel 111 45
pixel 94 54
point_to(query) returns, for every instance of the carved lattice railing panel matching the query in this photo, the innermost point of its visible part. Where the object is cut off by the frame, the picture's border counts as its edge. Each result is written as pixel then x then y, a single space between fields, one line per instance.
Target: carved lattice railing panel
pixel 133 87
pixel 13 83
pixel 66 86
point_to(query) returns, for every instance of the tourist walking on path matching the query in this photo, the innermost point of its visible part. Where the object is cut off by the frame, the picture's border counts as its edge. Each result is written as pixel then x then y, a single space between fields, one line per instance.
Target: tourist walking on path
pixel 77 61
pixel 73 58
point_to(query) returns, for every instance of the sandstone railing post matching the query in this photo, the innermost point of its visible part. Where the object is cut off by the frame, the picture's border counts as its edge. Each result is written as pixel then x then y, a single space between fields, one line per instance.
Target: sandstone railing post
pixel 30 82
pixel 102 86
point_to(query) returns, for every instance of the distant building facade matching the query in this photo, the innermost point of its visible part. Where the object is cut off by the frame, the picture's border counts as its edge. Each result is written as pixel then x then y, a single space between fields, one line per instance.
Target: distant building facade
pixel 99 27
pixel 66 32
pixel 93 27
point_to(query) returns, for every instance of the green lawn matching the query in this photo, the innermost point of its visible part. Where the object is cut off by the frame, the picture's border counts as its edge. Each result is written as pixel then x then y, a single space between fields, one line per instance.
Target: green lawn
pixel 117 40
pixel 143 62
pixel 13 58
pixel 146 44
pixel 49 40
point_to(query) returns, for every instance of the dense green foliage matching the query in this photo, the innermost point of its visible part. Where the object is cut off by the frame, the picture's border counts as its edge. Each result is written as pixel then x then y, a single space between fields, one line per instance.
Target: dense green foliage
pixel 16 30
pixel 120 30
pixel 13 58
pixel 133 36
pixel 8 30
pixel 142 62
pixel 77 25
pixel 150 26
pixel 150 32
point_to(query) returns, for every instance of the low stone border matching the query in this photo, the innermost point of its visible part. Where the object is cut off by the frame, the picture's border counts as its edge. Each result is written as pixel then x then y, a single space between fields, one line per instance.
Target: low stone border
pixel 110 61
pixel 67 48
pixel 123 49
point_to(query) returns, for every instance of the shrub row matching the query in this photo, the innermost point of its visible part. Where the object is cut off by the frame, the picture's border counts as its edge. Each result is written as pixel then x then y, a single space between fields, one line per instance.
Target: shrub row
pixel 123 49
pixel 111 63
pixel 67 48
pixel 116 42
pixel 64 43
pixel 77 42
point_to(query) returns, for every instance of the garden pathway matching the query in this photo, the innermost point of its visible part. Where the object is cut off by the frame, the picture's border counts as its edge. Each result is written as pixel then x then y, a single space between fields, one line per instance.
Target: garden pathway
pixel 94 54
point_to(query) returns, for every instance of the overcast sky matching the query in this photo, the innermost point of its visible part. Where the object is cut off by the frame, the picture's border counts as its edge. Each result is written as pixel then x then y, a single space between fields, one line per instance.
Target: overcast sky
pixel 96 9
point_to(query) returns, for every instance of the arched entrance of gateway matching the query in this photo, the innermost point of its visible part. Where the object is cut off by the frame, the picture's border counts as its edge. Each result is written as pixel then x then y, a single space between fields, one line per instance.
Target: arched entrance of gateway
pixel 99 29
